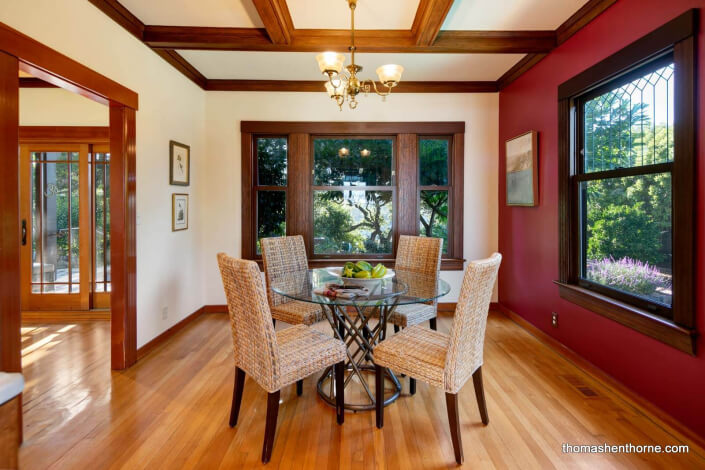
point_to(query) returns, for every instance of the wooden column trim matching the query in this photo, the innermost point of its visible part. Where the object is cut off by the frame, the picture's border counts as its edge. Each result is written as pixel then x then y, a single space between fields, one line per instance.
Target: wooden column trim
pixel 123 301
pixel 247 218
pixel 299 211
pixel 683 183
pixel 407 179
pixel 10 359
pixel 456 208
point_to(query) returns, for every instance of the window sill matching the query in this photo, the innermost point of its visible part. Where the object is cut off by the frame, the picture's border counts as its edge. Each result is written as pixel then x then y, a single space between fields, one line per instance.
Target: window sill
pixel 637 319
pixel 447 264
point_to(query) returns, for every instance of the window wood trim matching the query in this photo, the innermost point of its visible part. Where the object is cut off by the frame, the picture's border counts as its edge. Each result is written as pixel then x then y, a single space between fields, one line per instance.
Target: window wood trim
pixel 676 37
pixel 299 210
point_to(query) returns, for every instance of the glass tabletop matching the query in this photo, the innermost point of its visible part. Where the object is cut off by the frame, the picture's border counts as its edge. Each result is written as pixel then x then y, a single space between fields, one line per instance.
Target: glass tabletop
pixel 403 288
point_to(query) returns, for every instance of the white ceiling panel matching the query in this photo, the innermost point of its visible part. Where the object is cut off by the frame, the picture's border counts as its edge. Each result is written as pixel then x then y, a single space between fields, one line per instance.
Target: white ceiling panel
pixel 510 14
pixel 302 65
pixel 369 14
pixel 216 13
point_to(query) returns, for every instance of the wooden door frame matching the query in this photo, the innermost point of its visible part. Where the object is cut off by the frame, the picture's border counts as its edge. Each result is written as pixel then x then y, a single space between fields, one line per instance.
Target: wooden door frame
pixel 20 52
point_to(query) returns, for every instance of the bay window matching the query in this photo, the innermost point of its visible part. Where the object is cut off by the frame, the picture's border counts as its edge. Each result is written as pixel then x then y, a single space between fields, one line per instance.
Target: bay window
pixel 350 189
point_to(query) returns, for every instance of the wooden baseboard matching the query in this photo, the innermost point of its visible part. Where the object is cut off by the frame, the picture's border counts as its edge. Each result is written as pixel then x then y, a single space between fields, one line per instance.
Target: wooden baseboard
pixel 64 316
pixel 215 309
pixel 444 308
pixel 639 403
pixel 167 334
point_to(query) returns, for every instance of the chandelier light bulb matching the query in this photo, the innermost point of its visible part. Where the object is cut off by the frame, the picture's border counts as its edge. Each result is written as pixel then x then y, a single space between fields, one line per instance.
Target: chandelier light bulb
pixel 330 62
pixel 390 74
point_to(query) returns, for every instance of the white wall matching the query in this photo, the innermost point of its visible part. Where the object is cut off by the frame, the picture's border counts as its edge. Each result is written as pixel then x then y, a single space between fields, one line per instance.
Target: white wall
pixel 225 110
pixel 169 264
pixel 58 107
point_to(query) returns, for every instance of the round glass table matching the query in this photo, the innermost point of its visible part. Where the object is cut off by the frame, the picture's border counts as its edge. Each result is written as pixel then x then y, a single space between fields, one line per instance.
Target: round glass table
pixel 361 322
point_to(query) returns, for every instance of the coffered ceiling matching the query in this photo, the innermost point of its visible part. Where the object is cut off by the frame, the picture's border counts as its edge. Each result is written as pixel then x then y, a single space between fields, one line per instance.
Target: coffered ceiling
pixel 444 45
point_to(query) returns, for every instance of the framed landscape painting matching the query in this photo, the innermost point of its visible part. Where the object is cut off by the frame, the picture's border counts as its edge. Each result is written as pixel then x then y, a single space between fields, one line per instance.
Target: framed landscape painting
pixel 179 164
pixel 179 212
pixel 522 170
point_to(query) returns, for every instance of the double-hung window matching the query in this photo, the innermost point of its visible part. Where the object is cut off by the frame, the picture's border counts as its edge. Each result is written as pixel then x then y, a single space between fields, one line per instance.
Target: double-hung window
pixel 627 185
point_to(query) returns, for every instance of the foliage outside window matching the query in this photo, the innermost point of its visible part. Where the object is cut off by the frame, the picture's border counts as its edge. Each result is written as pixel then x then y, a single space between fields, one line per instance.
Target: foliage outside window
pixel 626 220
pixel 351 221
pixel 271 187
pixel 434 159
pixel 350 189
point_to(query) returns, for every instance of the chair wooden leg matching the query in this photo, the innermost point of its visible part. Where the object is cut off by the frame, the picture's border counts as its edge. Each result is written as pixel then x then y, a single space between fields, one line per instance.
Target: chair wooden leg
pixel 412 386
pixel 271 426
pixel 480 395
pixel 432 324
pixel 379 395
pixel 454 421
pixel 299 387
pixel 340 391
pixel 237 396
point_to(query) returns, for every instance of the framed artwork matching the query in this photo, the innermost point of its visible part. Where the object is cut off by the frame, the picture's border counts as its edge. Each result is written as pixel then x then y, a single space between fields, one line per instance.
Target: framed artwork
pixel 522 170
pixel 179 164
pixel 179 212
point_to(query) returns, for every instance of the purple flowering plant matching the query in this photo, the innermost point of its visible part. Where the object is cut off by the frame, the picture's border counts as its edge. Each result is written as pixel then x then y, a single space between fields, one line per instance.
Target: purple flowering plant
pixel 628 275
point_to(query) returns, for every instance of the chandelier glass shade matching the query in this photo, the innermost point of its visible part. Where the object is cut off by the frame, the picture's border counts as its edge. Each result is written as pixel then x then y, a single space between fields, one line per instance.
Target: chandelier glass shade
pixel 343 85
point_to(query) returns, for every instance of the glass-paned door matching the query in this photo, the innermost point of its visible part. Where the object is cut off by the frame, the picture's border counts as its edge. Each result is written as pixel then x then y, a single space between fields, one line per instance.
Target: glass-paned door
pixel 100 169
pixel 56 227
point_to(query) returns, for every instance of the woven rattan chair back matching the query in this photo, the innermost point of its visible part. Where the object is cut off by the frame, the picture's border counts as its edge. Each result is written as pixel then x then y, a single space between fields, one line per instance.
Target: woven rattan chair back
pixel 421 255
pixel 467 336
pixel 284 260
pixel 254 339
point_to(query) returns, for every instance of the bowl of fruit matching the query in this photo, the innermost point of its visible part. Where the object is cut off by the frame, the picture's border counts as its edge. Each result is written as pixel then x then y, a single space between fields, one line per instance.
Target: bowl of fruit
pixel 362 273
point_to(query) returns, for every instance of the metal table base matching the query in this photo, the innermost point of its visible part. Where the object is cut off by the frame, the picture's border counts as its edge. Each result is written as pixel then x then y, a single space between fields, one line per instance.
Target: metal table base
pixel 360 337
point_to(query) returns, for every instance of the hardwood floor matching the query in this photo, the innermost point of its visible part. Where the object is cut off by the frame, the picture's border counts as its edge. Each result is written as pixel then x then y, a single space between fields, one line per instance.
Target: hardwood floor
pixel 171 410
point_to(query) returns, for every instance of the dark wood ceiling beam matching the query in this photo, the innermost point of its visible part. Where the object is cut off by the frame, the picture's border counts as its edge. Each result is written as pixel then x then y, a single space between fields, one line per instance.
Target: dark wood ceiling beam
pixel 276 19
pixel 121 16
pixel 519 68
pixel 582 17
pixel 588 12
pixel 317 86
pixel 315 40
pixel 428 21
pixel 183 66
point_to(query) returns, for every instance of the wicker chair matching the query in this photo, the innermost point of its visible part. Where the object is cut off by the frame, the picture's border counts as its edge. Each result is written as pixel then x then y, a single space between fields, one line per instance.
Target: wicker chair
pixel 282 257
pixel 273 359
pixel 446 360
pixel 417 256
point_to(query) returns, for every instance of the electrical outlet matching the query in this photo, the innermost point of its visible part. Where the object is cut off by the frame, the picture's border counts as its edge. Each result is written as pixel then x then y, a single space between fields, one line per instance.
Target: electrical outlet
pixel 165 312
pixel 554 319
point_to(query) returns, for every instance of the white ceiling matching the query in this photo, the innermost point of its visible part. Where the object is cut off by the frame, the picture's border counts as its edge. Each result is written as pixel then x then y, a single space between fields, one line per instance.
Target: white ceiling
pixel 302 65
pixel 510 14
pixel 216 13
pixel 369 14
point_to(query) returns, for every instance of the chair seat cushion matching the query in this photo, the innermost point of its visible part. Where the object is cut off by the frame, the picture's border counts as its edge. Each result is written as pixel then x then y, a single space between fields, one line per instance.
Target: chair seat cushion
pixel 412 314
pixel 297 313
pixel 304 351
pixel 417 352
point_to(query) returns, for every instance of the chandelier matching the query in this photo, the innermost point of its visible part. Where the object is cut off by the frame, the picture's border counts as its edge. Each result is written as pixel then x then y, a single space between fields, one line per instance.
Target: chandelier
pixel 343 85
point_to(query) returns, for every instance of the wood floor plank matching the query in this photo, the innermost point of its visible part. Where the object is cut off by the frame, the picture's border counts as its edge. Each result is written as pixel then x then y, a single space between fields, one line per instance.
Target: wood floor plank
pixel 171 411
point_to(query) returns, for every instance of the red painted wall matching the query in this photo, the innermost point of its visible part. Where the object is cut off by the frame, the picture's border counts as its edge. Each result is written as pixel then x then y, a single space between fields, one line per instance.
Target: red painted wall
pixel 528 237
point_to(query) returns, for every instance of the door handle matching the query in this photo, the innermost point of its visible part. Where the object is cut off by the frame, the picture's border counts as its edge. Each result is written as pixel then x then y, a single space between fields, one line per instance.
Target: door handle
pixel 24 232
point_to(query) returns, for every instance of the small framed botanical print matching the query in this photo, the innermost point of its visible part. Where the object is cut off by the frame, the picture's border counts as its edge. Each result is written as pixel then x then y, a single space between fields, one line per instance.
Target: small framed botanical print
pixel 179 164
pixel 179 212
pixel 522 170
